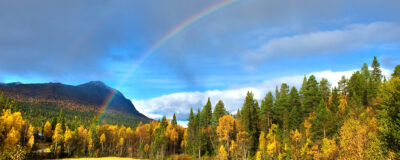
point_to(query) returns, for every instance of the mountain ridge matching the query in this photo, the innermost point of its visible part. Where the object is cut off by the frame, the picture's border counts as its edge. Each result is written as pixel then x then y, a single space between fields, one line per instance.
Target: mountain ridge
pixel 90 96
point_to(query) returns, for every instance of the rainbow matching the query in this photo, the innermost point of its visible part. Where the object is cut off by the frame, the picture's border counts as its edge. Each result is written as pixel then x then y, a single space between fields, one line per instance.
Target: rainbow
pixel 174 31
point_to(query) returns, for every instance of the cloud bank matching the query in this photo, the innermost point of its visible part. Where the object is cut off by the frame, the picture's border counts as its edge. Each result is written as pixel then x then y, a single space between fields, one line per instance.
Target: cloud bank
pixel 180 103
pixel 322 42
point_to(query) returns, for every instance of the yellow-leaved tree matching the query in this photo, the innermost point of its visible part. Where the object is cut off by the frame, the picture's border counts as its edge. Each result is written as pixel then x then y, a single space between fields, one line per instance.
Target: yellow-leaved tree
pixel 57 137
pixel 222 154
pixel 225 129
pixel 261 146
pixel 329 149
pixel 47 130
pixel 68 139
pixel 296 146
pixel 102 141
pixel 272 143
pixel 82 139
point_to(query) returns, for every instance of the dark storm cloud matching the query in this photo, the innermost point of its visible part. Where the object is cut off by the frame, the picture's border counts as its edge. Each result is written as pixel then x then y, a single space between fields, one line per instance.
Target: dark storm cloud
pixel 56 38
pixel 72 38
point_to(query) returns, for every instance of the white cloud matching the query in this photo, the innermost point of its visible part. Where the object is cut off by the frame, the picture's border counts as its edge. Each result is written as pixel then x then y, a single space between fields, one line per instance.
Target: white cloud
pixel 334 41
pixel 180 103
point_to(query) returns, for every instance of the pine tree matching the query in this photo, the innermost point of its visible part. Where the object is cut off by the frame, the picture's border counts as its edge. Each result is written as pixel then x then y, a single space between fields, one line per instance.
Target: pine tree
pixel 219 111
pixel 206 114
pixel 303 89
pixel 296 113
pixel 281 104
pixel 334 100
pixel 249 120
pixel 191 131
pixel 356 87
pixel 343 85
pixel 311 95
pixel 389 114
pixel 266 111
pixel 322 122
pixel 396 72
pixel 376 71
pixel 174 122
pixel 324 88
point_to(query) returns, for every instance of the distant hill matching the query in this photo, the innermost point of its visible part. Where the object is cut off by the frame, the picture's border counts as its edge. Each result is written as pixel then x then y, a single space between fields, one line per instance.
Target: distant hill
pixel 87 97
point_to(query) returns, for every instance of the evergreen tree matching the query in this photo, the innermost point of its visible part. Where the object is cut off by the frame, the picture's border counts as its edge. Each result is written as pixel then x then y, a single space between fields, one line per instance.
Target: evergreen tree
pixel 303 89
pixel 266 111
pixel 356 87
pixel 174 122
pixel 396 72
pixel 206 114
pixel 343 85
pixel 311 95
pixel 325 88
pixel 219 111
pixel 376 71
pixel 281 104
pixel 249 120
pixel 334 100
pixel 375 80
pixel 389 114
pixel 198 135
pixel 296 115
pixel 191 134
pixel 323 122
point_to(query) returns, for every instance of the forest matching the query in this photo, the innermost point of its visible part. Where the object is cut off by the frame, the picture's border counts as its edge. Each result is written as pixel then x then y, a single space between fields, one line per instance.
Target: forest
pixel 358 119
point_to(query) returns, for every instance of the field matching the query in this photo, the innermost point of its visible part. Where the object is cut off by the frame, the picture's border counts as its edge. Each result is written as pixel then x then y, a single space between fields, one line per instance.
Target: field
pixel 101 158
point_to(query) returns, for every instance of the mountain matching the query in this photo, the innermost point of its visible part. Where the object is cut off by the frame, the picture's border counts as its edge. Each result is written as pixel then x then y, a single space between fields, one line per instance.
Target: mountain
pixel 89 96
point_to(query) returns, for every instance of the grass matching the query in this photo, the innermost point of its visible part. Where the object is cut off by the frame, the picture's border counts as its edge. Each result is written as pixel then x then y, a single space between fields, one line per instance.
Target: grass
pixel 101 158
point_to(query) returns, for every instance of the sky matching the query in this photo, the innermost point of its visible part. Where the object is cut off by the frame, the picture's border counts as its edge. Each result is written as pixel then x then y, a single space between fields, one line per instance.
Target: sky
pixel 169 56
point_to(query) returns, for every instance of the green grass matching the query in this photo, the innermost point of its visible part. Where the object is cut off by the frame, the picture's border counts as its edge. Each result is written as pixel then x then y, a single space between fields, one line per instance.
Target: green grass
pixel 101 158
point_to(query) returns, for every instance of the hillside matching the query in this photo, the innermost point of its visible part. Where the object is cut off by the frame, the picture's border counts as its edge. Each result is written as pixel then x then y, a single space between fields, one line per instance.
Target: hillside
pixel 85 99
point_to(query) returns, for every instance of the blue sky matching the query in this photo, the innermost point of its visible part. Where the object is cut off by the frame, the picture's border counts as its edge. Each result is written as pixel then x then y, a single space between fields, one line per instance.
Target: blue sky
pixel 243 46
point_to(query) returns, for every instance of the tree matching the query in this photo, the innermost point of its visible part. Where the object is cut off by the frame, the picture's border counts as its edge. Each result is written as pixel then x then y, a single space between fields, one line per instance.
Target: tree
pixel 30 137
pixel 219 111
pixel 191 134
pixel 222 154
pixel 343 85
pixel 47 130
pixel 81 137
pixel 389 113
pixel 57 137
pixel 322 123
pixel 376 71
pixel 296 114
pixel 272 143
pixel 353 140
pixel 396 72
pixel 296 139
pixel 243 143
pixel 174 122
pixel 102 141
pixel 324 88
pixel 266 111
pixel 311 95
pixel 68 135
pixel 206 114
pixel 334 100
pixel 12 138
pixel 261 146
pixel 225 129
pixel 249 120
pixel 329 148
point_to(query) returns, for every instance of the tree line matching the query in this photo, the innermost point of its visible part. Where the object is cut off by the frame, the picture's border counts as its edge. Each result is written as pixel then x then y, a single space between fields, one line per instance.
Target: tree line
pixel 358 119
